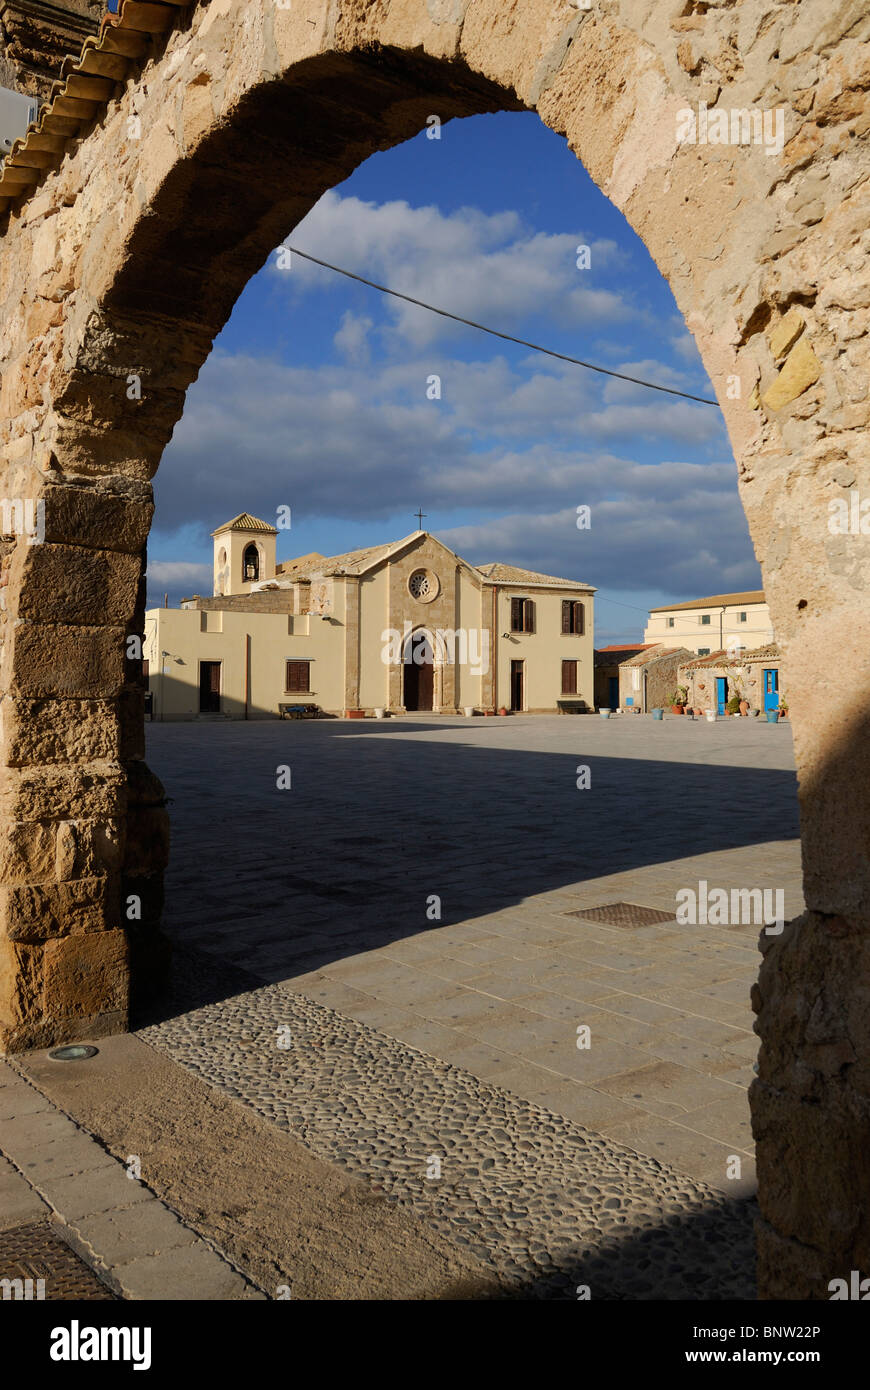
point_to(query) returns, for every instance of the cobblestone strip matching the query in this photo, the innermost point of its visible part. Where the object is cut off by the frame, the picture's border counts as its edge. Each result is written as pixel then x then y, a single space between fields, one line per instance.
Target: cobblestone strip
pixel 136 1244
pixel 548 1205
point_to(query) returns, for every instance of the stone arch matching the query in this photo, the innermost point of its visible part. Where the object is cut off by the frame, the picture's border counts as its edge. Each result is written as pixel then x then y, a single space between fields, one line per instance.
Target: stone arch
pixel 420 676
pixel 121 264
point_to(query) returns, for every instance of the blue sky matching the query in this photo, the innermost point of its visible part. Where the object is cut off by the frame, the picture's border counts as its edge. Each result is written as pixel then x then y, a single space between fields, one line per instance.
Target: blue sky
pixel 315 395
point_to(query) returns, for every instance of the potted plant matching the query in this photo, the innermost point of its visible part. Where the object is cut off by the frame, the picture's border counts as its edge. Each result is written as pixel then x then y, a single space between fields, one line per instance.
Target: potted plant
pixel 783 709
pixel 733 706
pixel 679 699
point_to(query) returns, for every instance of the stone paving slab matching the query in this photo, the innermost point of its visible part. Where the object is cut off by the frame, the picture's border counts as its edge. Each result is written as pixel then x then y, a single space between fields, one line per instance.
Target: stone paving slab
pixel 671 804
pixel 50 1166
pixel 19 1203
pixel 545 1203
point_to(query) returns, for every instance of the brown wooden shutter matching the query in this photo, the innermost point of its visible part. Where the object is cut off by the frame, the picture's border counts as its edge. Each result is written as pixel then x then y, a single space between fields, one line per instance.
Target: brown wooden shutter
pixel 517 615
pixel 569 677
pixel 579 618
pixel 529 615
pixel 298 676
pixel 566 615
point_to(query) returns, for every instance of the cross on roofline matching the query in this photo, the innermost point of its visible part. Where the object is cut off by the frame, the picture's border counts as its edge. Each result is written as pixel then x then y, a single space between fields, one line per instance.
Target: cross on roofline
pixel 419 515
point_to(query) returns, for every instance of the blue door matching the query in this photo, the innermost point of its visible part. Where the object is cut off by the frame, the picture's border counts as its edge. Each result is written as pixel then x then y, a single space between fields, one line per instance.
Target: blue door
pixel 771 690
pixel 613 692
pixel 721 694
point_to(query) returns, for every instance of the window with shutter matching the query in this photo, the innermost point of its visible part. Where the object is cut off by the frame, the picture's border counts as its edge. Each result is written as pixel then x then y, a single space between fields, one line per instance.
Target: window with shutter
pixel 298 677
pixel 528 615
pixel 516 615
pixel 569 677
pixel 573 618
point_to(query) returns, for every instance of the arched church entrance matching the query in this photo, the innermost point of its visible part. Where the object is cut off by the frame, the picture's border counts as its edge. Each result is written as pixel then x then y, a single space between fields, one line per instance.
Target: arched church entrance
pixel 419 678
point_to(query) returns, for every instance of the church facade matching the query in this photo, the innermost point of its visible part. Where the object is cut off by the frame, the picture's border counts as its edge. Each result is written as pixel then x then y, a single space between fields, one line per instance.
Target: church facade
pixel 400 628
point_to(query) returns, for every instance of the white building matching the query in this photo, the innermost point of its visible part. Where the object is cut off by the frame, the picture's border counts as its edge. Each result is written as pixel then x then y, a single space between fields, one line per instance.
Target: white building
pixel 722 622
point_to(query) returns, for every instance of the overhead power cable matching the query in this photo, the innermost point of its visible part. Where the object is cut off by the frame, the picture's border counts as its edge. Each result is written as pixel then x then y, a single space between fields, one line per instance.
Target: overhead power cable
pixel 494 332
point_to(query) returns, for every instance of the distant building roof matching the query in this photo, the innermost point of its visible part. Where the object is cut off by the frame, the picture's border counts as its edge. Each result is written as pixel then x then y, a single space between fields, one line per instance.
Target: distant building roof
pixel 512 574
pixel 350 562
pixel 720 658
pixel 245 522
pixel 769 652
pixel 714 601
pixel 627 647
pixel 617 655
pixel 654 653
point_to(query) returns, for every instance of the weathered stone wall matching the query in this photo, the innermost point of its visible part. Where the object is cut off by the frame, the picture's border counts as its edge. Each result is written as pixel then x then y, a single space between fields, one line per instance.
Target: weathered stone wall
pixel 269 601
pixel 127 261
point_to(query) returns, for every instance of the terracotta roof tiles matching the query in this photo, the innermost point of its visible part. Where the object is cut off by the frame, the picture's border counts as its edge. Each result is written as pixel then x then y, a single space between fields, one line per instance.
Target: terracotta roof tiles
pixel 88 83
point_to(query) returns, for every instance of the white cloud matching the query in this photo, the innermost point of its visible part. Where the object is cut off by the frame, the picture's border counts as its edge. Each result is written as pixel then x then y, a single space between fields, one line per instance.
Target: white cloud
pixel 352 338
pixel 175 576
pixel 487 267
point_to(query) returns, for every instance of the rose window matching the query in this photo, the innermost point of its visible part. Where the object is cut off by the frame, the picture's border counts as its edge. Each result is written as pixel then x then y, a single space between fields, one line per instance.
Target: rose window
pixel 420 585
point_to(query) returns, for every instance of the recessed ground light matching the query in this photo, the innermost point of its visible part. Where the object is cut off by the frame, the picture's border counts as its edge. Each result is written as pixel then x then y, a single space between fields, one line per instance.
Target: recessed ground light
pixel 76 1052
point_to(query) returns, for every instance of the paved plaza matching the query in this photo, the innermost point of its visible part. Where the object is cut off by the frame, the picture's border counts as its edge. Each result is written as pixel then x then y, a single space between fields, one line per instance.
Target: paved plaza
pixel 436 1060
pixel 325 886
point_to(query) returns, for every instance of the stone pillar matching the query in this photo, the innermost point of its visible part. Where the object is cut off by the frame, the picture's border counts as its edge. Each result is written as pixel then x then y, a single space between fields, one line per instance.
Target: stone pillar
pixel 83 817
pixel 351 642
pixel 811 1100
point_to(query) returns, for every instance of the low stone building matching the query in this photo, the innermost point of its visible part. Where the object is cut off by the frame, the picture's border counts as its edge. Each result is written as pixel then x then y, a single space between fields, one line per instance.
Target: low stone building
pixel 607 663
pixel 648 681
pixel 753 676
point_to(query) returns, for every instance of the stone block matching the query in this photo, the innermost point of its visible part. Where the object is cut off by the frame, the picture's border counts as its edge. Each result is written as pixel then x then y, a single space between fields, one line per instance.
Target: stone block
pixel 786 333
pixel 37 732
pixel 27 852
pixel 43 660
pixel 100 515
pixel 68 584
pixel 20 983
pixel 801 369
pixel 35 913
pixel 86 975
pixel 92 791
pixel 147 840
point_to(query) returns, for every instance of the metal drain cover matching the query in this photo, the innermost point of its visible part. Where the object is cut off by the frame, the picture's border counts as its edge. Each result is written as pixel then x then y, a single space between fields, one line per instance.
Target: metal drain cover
pixel 36 1264
pixel 624 915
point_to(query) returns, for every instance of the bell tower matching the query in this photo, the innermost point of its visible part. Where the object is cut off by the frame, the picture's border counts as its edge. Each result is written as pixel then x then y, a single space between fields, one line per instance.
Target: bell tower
pixel 244 554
